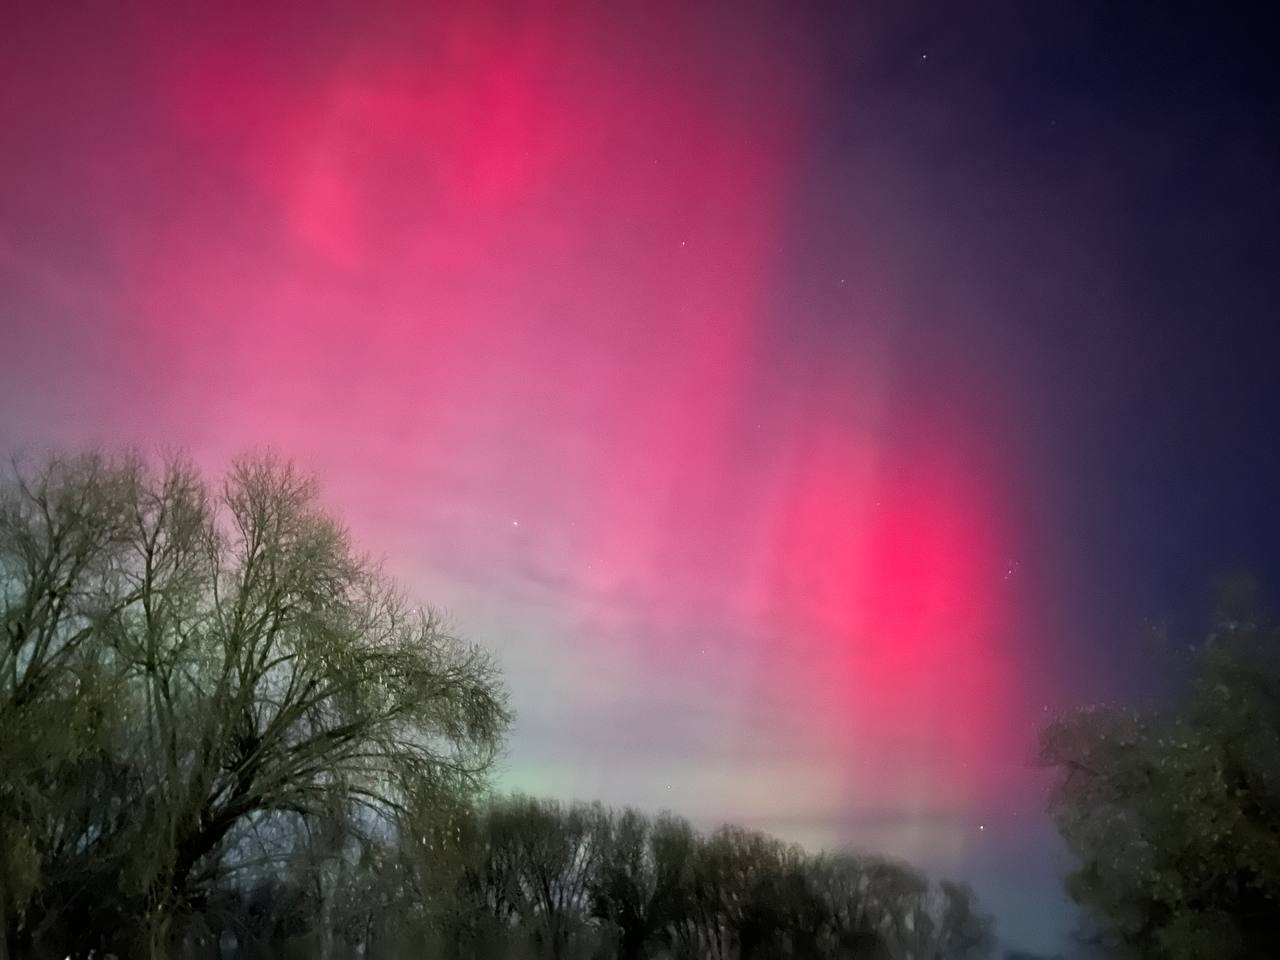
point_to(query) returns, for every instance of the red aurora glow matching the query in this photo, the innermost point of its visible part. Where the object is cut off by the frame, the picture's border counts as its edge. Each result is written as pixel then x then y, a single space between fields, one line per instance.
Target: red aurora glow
pixel 514 285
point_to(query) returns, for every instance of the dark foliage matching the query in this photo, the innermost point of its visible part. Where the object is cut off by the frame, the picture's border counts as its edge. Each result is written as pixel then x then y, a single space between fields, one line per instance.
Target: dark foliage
pixel 1175 817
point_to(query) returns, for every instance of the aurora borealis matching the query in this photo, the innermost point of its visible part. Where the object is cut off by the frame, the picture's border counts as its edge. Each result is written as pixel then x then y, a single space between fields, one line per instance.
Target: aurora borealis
pixel 782 393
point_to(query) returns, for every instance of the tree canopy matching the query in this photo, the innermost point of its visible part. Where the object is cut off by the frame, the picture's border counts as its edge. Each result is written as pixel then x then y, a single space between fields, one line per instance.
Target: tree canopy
pixel 185 666
pixel 1175 815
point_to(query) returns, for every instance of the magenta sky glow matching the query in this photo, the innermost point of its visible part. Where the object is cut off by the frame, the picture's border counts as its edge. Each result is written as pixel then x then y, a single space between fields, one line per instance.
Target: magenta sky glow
pixel 520 285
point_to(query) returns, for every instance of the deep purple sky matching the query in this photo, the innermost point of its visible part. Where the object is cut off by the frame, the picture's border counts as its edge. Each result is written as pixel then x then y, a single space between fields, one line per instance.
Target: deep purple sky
pixel 804 403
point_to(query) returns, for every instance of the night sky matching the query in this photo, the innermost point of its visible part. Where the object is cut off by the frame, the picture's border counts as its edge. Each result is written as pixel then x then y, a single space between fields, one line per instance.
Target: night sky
pixel 805 402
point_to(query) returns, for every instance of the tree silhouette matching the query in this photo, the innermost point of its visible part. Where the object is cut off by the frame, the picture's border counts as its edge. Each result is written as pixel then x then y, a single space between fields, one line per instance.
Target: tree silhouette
pixel 1175 816
pixel 227 657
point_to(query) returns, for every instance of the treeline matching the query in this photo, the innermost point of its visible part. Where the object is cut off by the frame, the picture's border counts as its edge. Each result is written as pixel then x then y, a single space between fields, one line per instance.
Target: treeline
pixel 224 733
pixel 524 878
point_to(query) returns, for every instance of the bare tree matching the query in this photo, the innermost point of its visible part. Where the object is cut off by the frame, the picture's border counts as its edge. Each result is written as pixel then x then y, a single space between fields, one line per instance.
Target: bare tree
pixel 627 890
pixel 557 852
pixel 246 663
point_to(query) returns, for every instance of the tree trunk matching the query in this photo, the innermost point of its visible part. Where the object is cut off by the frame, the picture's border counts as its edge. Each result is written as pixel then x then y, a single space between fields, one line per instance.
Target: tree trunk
pixel 157 933
pixel 327 892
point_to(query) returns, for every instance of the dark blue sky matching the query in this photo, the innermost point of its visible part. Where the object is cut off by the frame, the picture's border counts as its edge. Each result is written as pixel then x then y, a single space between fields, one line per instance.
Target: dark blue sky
pixel 1102 178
